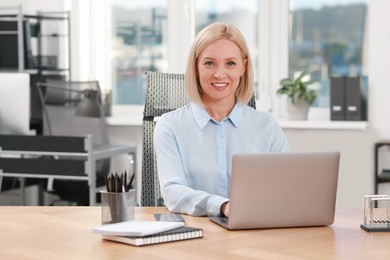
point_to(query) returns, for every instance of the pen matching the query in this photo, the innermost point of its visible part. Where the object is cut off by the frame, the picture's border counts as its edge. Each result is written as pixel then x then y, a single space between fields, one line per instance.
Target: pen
pixel 118 182
pixel 106 183
pixel 125 182
pixel 130 183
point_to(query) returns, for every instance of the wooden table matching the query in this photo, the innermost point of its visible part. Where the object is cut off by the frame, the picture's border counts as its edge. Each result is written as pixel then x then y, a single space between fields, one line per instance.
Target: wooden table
pixel 66 233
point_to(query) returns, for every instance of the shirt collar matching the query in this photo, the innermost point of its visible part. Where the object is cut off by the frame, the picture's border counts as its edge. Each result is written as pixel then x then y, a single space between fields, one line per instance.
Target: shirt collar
pixel 202 117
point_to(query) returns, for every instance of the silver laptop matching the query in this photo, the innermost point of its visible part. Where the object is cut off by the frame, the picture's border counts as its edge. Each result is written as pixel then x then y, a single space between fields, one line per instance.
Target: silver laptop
pixel 275 190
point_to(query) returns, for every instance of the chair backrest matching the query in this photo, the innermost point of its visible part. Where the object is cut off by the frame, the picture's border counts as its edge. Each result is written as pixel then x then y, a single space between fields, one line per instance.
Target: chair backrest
pixel 60 118
pixel 165 92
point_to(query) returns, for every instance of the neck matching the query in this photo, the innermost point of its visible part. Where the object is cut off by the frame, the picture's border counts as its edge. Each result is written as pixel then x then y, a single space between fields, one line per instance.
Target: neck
pixel 219 111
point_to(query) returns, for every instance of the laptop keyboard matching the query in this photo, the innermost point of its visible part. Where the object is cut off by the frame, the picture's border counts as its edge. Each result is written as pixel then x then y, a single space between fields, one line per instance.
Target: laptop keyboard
pixel 224 220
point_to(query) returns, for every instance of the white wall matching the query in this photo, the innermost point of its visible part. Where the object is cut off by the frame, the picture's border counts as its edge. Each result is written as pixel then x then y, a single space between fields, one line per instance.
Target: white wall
pixel 356 169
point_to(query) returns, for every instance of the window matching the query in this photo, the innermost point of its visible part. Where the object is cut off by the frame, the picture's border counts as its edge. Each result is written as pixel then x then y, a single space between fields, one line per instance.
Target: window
pixel 140 38
pixel 139 30
pixel 327 38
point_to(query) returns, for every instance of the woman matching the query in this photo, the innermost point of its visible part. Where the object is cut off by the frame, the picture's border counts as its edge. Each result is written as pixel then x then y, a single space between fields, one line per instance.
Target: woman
pixel 195 144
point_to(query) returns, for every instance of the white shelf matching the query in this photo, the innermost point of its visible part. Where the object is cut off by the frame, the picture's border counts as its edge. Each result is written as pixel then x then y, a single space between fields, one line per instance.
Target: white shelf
pixel 124 120
pixel 325 125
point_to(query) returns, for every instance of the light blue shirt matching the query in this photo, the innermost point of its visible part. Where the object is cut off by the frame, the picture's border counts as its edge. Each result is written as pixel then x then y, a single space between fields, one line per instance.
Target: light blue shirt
pixel 194 153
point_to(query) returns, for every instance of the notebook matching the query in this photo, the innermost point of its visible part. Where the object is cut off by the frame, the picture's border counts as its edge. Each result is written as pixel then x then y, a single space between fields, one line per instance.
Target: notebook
pixel 136 228
pixel 276 190
pixel 181 233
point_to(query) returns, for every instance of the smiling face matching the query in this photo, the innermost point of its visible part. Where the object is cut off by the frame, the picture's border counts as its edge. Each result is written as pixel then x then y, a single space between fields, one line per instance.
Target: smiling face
pixel 220 67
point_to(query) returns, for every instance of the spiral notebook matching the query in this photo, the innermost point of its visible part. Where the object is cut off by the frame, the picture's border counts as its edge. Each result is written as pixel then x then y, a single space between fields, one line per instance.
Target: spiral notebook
pixel 181 233
pixel 136 228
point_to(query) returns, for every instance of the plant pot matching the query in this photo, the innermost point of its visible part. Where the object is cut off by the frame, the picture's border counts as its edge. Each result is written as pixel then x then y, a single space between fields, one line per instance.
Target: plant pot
pixel 297 111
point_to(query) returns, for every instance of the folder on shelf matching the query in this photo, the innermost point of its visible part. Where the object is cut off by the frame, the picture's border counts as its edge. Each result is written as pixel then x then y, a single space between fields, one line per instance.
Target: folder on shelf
pixel 348 99
pixel 355 101
pixel 337 99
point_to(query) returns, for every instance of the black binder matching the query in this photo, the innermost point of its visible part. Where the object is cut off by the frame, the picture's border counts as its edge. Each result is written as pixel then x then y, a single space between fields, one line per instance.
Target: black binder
pixel 348 99
pixel 8 45
pixel 337 98
pixel 355 99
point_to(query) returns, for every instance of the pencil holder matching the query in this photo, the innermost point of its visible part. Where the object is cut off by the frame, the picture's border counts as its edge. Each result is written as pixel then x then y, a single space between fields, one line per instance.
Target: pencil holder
pixel 117 206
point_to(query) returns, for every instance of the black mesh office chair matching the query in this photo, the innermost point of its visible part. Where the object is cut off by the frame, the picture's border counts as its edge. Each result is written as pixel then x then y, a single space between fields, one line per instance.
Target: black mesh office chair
pixel 165 92
pixel 60 119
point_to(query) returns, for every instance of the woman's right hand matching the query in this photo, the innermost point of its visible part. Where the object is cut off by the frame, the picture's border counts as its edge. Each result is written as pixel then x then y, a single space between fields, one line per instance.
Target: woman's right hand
pixel 225 209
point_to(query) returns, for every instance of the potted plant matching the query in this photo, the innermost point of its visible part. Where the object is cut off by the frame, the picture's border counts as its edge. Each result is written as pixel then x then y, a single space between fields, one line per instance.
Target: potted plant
pixel 300 95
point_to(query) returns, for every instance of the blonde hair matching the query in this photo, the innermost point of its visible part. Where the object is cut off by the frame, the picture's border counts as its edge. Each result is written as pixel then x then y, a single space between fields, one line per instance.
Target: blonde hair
pixel 204 38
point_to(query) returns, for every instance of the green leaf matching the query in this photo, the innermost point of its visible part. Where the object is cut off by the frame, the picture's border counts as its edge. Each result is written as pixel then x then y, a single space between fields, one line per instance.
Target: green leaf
pixel 296 88
pixel 286 82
